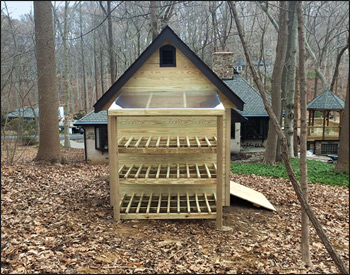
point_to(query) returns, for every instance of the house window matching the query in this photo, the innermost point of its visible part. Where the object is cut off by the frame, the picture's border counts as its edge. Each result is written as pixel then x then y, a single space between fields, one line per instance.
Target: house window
pixel 167 56
pixel 101 138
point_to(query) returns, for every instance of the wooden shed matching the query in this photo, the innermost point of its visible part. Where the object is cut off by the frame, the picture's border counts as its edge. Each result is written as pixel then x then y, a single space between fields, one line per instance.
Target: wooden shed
pixel 169 119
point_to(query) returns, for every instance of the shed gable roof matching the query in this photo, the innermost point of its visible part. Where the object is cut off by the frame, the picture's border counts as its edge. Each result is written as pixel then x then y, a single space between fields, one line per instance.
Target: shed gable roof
pixel 326 101
pixel 168 34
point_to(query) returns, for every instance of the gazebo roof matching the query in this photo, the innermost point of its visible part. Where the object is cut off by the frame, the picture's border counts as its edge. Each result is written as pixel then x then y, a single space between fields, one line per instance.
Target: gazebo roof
pixel 326 101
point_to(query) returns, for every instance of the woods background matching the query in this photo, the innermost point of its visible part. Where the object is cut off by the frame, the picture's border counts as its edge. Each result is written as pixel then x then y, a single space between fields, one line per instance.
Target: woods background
pixel 99 48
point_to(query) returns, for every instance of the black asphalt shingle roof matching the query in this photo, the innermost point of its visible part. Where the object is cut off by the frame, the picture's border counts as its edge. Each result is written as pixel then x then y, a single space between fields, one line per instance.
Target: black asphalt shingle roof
pixel 93 119
pixel 254 105
pixel 326 101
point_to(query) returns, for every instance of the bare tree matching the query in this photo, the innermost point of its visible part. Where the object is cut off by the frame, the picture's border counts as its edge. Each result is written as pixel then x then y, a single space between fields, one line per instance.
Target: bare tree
pixel 305 238
pixel 49 142
pixel 290 75
pixel 336 70
pixel 112 63
pixel 154 19
pixel 66 78
pixel 271 143
pixel 285 152
pixel 343 155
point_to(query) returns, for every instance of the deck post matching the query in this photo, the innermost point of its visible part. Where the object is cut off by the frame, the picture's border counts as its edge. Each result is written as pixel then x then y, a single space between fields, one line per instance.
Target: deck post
pixel 219 173
pixel 113 166
pixel 324 124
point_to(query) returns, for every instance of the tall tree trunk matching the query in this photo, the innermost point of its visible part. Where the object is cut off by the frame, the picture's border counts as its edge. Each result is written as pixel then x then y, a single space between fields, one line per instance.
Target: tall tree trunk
pixel 95 69
pixel 154 19
pixel 212 10
pixel 49 141
pixel 112 63
pixel 305 236
pixel 285 153
pixel 66 79
pixel 101 70
pixel 343 155
pixel 296 115
pixel 110 44
pixel 271 143
pixel 336 70
pixel 83 63
pixel 290 65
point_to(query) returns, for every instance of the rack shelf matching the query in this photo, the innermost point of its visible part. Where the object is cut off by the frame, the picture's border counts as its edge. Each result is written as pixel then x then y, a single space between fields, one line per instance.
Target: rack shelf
pixel 167 144
pixel 168 173
pixel 168 205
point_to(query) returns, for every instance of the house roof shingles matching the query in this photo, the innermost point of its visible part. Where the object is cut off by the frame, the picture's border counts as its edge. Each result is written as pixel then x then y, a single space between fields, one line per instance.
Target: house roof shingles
pixel 254 105
pixel 326 101
pixel 93 119
pixel 26 113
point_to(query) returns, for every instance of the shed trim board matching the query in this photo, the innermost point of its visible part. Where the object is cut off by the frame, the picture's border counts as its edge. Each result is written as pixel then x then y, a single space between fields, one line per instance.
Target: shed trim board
pixel 167 34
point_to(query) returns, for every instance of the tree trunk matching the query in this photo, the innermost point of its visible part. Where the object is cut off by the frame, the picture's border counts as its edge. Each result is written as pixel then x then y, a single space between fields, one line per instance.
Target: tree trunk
pixel 49 141
pixel 83 64
pixel 285 153
pixel 290 87
pixel 305 232
pixel 343 155
pixel 154 19
pixel 110 44
pixel 66 79
pixel 296 115
pixel 336 70
pixel 101 70
pixel 271 143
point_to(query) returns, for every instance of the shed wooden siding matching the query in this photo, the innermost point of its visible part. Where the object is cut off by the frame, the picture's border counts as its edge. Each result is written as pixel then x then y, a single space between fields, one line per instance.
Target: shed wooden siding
pixel 185 76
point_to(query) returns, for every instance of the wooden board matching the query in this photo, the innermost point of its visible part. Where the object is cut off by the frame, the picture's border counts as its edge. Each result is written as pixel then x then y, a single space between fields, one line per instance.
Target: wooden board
pixel 250 195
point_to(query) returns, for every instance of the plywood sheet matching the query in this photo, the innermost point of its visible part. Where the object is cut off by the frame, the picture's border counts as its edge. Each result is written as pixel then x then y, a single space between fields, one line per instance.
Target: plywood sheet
pixel 250 195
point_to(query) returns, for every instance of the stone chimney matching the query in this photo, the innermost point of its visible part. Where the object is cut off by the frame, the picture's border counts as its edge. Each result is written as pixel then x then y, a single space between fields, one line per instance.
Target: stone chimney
pixel 222 64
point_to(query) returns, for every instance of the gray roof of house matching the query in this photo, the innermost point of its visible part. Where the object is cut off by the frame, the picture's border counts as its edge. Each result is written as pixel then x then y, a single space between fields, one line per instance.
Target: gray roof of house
pixel 26 113
pixel 254 105
pixel 326 101
pixel 93 118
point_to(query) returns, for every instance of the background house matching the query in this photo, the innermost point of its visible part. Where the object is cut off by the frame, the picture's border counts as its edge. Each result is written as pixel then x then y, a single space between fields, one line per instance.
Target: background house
pixel 253 129
pixel 325 116
pixel 24 113
pixel 248 127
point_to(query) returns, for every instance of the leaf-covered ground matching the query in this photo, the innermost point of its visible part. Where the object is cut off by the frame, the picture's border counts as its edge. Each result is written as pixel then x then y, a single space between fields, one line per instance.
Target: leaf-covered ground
pixel 57 219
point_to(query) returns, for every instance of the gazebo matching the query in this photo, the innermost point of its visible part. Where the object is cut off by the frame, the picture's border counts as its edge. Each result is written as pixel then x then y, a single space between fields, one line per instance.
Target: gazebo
pixel 325 128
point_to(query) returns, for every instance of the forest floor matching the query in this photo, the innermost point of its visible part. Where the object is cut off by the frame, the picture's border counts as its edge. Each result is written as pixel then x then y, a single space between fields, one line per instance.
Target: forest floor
pixel 57 219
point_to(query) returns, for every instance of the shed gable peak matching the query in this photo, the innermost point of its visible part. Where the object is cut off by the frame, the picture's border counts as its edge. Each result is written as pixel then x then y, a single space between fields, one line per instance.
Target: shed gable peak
pixel 167 36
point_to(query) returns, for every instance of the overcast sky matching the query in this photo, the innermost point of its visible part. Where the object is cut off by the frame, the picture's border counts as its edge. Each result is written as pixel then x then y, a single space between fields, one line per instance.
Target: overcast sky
pixel 18 8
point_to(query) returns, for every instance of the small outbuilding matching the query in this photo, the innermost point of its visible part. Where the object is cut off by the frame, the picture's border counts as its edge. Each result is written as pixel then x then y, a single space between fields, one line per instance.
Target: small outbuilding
pixel 169 129
pixel 325 117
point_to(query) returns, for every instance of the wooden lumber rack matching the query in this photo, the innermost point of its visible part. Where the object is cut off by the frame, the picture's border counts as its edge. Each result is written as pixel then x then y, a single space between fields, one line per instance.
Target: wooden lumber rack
pixel 168 172
pixel 159 174
pixel 167 144
pixel 168 206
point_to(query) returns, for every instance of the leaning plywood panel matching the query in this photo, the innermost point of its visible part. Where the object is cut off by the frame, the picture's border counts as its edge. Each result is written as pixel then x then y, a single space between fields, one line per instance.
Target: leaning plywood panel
pixel 250 195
